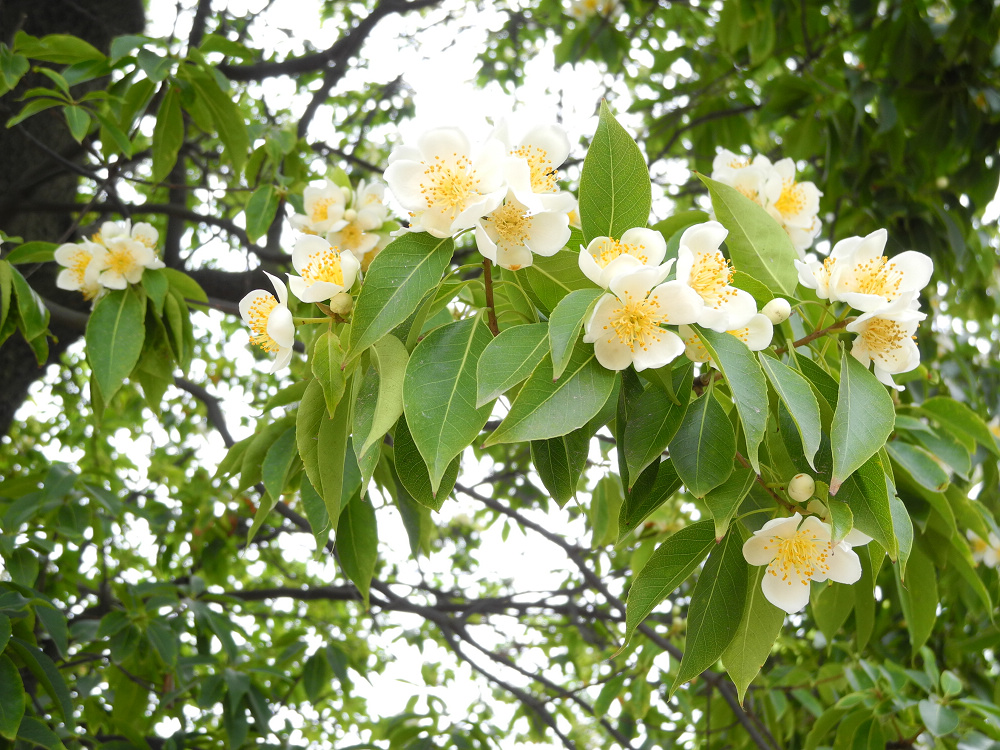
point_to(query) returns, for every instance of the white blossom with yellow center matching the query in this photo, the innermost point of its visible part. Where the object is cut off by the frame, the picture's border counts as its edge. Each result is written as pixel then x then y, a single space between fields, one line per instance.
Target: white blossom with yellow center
pixel 795 552
pixel 324 270
pixel 444 185
pixel 746 175
pixel 128 252
pixel 860 275
pixel 626 327
pixel 581 10
pixel 324 204
pixel 511 234
pixel 986 551
pixel 702 266
pixel 605 257
pixel 756 334
pixel 793 204
pixel 270 321
pixel 81 267
pixel 854 538
pixel 532 167
pixel 886 338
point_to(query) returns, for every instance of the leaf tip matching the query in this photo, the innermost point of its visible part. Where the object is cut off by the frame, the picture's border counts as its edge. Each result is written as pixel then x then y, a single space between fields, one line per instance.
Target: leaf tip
pixel 835 485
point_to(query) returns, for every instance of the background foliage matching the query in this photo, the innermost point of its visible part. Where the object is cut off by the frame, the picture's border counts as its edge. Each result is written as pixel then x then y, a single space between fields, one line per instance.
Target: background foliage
pixel 133 612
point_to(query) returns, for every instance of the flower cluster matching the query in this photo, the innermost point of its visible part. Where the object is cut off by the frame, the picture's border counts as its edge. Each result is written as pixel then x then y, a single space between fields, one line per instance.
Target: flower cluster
pixel 506 190
pixel 111 259
pixel 355 220
pixel 626 326
pixel 885 291
pixel 581 10
pixel 793 204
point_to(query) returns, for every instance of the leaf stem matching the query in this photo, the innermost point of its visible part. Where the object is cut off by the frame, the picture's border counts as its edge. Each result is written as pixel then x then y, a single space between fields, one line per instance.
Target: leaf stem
pixel 816 334
pixel 488 281
pixel 310 321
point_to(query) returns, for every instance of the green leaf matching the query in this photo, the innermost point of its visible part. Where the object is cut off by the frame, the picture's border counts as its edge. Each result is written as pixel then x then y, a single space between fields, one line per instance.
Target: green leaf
pixel 758 245
pixel 230 126
pixel 704 447
pixel 168 134
pixel 960 421
pixel 439 393
pixel 565 324
pixel 413 473
pixel 642 501
pixel 34 314
pixel 390 358
pixel 866 492
pixel 657 417
pixel 156 284
pixel 605 505
pixel 746 382
pixel 758 629
pixel 357 544
pixel 6 292
pixel 78 120
pixel 185 286
pixel 115 333
pixel 508 359
pixel 938 719
pixel 831 606
pixel 261 210
pixel 155 66
pixel 716 608
pixel 560 462
pixel 554 277
pixel 546 408
pixel 316 512
pixel 723 501
pixel 862 423
pixel 945 447
pixel 38 734
pixel 918 597
pixel 322 444
pixel 919 464
pixel 797 396
pixel 278 462
pixel 32 252
pixel 365 399
pixel 57 48
pixel 615 193
pixel 327 362
pixel 668 567
pixel 396 282
pixel 33 108
pixel 11 699
pixel 44 670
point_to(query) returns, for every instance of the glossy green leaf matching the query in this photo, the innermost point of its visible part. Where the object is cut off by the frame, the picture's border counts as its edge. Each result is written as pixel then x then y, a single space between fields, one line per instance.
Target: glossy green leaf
pixel 115 332
pixel 919 464
pixel 560 462
pixel 260 211
pixel 862 423
pixel 32 252
pixel 396 282
pixel 322 445
pixel 364 398
pixel 960 421
pixel 389 357
pixel 866 493
pixel 278 462
pixel 704 447
pixel 798 397
pixel 229 123
pixel 656 419
pixel 605 505
pixel 944 447
pixel 315 512
pixel 439 393
pixel 552 278
pixel 508 359
pixel 357 544
pixel 757 244
pixel 716 608
pixel 747 383
pixel 45 671
pixel 413 472
pixel 724 500
pixel 34 314
pixel 11 699
pixel 918 597
pixel 642 501
pixel 37 734
pixel 669 566
pixel 565 324
pixel 546 407
pixel 78 121
pixel 939 719
pixel 756 633
pixel 615 193
pixel 327 366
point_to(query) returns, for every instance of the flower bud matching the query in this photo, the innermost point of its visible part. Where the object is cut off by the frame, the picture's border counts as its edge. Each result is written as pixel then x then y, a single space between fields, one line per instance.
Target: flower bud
pixel 801 488
pixel 350 214
pixel 777 310
pixel 342 303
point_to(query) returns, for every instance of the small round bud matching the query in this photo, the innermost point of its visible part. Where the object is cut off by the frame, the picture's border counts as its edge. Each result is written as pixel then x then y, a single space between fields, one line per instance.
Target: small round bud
pixel 350 214
pixel 777 310
pixel 346 191
pixel 942 182
pixel 342 303
pixel 801 488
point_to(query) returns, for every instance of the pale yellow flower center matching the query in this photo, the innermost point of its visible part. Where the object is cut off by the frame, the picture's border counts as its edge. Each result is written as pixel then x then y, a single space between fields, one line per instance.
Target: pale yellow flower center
pixel 320 209
pixel 883 336
pixel 696 349
pixel 611 248
pixel 324 266
pixel 979 546
pixel 511 224
pixel 636 322
pixel 879 276
pixel 710 277
pixel 743 334
pixel 121 260
pixel 78 263
pixel 792 199
pixel 748 192
pixel 449 185
pixel 543 174
pixel 803 551
pixel 260 311
pixel 739 162
pixel 351 236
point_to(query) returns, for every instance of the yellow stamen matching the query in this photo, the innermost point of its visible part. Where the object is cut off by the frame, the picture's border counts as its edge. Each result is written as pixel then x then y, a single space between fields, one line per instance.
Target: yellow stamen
pixel 710 277
pixel 804 552
pixel 320 210
pixel 511 223
pixel 883 336
pixel 260 311
pixel 543 174
pixel 879 276
pixel 351 236
pixel 78 265
pixel 324 266
pixel 451 185
pixel 121 260
pixel 792 199
pixel 637 322
pixel 611 248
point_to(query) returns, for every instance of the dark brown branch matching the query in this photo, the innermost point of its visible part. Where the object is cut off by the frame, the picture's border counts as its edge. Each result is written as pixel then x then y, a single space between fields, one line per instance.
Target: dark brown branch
pixel 215 415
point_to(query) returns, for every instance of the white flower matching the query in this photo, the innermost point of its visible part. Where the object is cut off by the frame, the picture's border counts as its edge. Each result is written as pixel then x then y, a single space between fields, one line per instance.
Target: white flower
pixel 625 327
pixel 271 322
pixel 125 257
pixel 867 280
pixel 325 270
pixel 854 538
pixel 739 172
pixel 701 266
pixel 605 257
pixel 443 184
pixel 511 233
pixel 985 551
pixel 142 232
pixel 886 338
pixel 795 552
pixel 324 204
pixel 82 267
pixel 757 335
pixel 793 204
pixel 532 167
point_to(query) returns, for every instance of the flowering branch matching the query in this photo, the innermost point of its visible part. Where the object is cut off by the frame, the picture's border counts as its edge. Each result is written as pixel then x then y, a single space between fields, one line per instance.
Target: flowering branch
pixel 816 334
